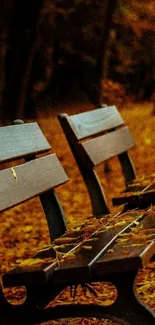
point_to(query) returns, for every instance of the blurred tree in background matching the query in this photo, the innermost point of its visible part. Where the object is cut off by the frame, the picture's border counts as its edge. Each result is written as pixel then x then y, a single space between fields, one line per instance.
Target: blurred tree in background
pixel 133 55
pixel 47 46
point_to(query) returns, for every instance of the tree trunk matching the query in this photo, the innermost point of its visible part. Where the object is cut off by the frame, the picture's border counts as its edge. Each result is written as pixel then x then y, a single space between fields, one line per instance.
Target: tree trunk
pixel 90 77
pixel 19 57
pixel 103 58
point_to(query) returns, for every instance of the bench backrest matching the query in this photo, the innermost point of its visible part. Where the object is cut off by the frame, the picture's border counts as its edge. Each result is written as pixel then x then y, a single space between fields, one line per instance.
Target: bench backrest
pixel 31 176
pixel 94 137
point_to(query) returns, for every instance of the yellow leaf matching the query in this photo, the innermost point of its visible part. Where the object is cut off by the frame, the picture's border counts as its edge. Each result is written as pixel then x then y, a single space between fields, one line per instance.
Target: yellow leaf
pixel 31 261
pixel 147 141
pixel 14 173
pixel 110 251
pixel 27 228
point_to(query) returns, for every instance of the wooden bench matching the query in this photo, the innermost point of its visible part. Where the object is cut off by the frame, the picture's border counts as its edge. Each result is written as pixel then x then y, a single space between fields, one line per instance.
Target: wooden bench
pixel 29 176
pixel 90 252
pixel 96 136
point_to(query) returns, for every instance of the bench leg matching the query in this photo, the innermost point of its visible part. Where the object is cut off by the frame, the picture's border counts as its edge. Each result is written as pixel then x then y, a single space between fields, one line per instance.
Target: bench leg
pixel 128 305
pixel 126 310
pixel 3 302
pixel 39 296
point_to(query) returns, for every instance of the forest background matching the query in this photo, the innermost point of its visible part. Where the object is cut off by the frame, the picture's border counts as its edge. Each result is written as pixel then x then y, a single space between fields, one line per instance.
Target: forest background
pixel 59 49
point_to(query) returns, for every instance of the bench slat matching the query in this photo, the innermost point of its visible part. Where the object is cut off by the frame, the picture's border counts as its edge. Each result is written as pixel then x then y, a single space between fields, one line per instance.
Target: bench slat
pixel 116 142
pixel 92 122
pixel 129 257
pixel 21 140
pixel 136 199
pixel 30 179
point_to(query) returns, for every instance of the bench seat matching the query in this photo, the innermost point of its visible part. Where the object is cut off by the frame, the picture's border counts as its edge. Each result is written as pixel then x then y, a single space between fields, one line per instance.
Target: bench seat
pixel 91 250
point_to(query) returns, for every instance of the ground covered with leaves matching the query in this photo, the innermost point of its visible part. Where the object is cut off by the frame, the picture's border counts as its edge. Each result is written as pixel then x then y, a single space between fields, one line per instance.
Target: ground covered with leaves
pixel 24 229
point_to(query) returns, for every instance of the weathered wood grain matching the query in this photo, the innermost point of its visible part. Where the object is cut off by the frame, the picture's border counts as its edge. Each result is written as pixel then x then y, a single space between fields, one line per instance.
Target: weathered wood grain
pixel 22 182
pixel 104 147
pixel 21 140
pixel 90 123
